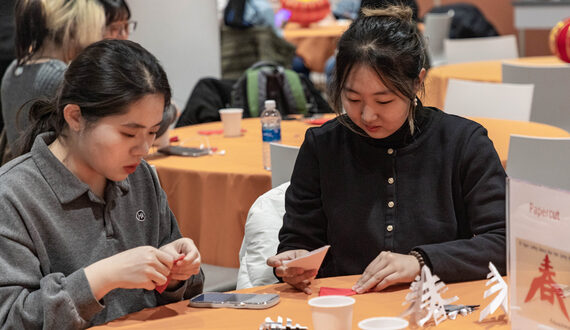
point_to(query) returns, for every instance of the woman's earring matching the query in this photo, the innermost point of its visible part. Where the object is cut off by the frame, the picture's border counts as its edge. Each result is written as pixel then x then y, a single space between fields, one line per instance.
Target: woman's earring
pixel 415 101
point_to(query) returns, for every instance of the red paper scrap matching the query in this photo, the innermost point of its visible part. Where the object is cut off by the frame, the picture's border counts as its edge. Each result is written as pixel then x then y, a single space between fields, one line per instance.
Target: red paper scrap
pixel 324 291
pixel 161 288
pixel 317 121
pixel 174 139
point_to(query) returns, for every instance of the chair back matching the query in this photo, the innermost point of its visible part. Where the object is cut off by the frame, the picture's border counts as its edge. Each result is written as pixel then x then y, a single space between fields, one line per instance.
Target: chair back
pixel 540 160
pixel 480 49
pixel 283 159
pixel 551 100
pixel 436 30
pixel 260 239
pixel 491 100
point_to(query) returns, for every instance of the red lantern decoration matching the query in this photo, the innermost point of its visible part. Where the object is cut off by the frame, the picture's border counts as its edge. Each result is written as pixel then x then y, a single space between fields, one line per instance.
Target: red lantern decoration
pixel 559 40
pixel 306 12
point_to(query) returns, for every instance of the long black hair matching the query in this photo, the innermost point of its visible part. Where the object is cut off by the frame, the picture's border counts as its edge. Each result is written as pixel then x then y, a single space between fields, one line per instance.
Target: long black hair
pixel 387 41
pixel 103 81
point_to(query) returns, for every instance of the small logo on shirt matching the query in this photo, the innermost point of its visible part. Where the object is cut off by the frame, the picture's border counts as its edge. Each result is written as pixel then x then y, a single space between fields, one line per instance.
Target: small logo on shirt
pixel 140 215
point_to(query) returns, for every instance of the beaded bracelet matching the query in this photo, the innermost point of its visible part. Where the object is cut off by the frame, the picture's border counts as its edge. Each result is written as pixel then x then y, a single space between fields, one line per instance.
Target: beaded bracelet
pixel 418 256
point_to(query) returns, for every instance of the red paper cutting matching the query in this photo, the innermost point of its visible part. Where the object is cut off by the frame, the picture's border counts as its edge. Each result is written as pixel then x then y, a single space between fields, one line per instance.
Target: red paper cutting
pixel 324 291
pixel 161 288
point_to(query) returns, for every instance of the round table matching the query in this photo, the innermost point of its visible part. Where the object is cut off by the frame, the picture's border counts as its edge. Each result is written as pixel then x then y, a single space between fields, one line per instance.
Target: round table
pixel 486 71
pixel 294 305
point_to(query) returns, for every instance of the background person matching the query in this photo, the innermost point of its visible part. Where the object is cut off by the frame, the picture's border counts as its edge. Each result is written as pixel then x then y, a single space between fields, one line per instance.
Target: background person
pixel 86 232
pixel 117 19
pixel 49 34
pixel 392 185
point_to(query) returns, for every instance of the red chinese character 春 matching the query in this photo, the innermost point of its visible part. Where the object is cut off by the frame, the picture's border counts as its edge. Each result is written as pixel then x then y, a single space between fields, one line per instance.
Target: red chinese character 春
pixel 548 288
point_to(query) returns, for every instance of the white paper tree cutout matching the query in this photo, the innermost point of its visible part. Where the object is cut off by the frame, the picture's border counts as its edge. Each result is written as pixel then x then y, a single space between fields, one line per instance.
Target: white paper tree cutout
pixel 425 299
pixel 500 299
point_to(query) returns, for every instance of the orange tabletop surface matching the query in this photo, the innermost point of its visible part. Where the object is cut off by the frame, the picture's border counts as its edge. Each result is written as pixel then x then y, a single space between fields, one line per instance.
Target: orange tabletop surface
pixel 211 195
pixel 315 44
pixel 500 130
pixel 294 305
pixel 486 71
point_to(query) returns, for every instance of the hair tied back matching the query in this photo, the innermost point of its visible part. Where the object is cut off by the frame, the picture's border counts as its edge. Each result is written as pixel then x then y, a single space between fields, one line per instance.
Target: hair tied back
pixel 400 12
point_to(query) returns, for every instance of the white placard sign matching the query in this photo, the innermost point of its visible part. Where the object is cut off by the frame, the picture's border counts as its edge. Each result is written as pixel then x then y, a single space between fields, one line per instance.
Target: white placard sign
pixel 538 230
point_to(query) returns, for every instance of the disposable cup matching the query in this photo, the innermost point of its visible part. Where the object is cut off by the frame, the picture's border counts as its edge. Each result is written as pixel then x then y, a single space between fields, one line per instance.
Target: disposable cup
pixel 332 312
pixel 383 323
pixel 231 119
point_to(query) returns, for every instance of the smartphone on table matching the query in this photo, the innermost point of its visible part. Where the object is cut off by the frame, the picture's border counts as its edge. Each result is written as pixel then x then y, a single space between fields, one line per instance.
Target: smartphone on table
pixel 235 300
pixel 184 151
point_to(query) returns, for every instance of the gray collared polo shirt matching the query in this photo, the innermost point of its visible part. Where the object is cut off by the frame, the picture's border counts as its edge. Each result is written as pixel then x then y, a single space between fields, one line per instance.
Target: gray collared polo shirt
pixel 53 226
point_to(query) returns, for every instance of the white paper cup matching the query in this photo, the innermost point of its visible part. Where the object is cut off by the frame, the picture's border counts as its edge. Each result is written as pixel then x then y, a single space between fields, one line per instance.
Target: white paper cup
pixel 383 323
pixel 332 312
pixel 231 119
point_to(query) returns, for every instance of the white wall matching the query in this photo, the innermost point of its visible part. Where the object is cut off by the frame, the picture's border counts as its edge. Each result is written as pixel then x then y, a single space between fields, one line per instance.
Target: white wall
pixel 184 35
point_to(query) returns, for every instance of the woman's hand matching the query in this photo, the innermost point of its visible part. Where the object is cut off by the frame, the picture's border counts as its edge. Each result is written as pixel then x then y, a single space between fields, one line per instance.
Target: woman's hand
pixel 143 267
pixel 190 265
pixel 297 277
pixel 386 269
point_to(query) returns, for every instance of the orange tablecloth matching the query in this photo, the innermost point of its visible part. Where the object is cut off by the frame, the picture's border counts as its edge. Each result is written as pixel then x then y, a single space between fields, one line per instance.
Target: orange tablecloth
pixel 486 71
pixel 315 44
pixel 500 131
pixel 294 305
pixel 211 195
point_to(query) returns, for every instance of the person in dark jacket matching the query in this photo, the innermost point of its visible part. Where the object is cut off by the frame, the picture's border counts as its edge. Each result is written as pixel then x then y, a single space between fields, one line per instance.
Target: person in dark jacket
pixel 391 185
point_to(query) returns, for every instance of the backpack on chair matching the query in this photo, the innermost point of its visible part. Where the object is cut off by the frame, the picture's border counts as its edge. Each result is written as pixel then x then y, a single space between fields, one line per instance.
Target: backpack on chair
pixel 293 93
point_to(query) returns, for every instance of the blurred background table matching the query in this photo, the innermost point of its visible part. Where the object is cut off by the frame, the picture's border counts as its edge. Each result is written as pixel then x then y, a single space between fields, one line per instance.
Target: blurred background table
pixel 487 71
pixel 294 305
pixel 211 195
pixel 500 130
pixel 315 44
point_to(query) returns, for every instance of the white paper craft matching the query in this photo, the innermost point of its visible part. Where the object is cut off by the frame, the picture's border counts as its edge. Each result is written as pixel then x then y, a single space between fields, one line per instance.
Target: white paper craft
pixel 425 299
pixel 501 298
pixel 311 260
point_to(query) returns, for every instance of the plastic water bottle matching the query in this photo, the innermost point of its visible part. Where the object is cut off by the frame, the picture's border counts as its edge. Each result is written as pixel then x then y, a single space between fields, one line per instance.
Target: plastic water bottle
pixel 270 130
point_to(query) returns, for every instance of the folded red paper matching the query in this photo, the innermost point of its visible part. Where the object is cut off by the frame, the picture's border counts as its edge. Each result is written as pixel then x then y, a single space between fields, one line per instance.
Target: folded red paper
pixel 324 291
pixel 161 288
pixel 317 121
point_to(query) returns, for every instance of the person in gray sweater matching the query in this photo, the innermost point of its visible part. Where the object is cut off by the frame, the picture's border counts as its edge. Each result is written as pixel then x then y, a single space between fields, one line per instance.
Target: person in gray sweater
pixel 392 185
pixel 49 34
pixel 87 234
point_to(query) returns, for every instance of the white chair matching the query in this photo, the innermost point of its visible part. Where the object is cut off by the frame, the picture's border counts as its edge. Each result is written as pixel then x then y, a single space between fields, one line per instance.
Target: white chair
pixel 283 159
pixel 540 160
pixel 480 49
pixel 491 100
pixel 436 30
pixel 551 100
pixel 260 240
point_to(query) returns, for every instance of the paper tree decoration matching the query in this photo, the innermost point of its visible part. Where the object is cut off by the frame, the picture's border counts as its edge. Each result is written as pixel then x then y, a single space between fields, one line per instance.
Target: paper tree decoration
pixel 559 40
pixel 306 12
pixel 425 299
pixel 501 298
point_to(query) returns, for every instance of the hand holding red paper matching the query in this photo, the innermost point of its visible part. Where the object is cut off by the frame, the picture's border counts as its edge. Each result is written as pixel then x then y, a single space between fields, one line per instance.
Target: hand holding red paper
pixel 142 267
pixel 298 267
pixel 189 264
pixel 386 269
